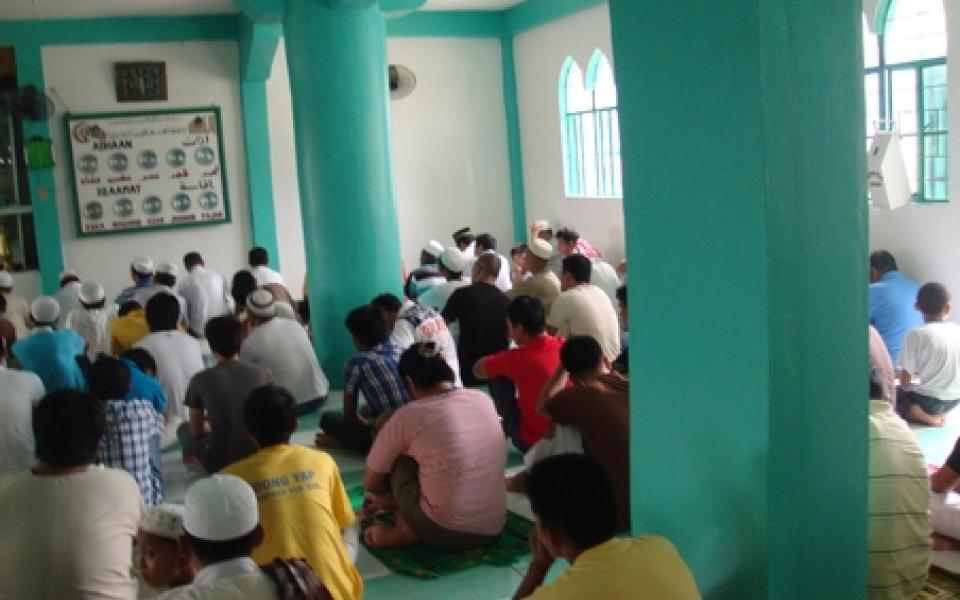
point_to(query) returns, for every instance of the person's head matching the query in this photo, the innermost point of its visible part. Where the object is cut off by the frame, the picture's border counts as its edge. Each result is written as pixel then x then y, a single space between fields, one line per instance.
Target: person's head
pixel 141 270
pixel 68 277
pixel 537 256
pixel 581 357
pixel 109 378
pixel 191 260
pixel 242 285
pixel 44 311
pixel 881 263
pixel 430 252
pixel 6 282
pixel 517 254
pixel 142 359
pixel 390 305
pixel 163 562
pixel 622 305
pixel 526 319
pixel 368 326
pixel 270 415
pixel 225 335
pixel 220 519
pixel 933 300
pixel 486 268
pixel 463 238
pixel 128 307
pixel 567 241
pixel 423 369
pixel 258 257
pixel 92 295
pixel 261 306
pixel 163 312
pixel 451 264
pixel 166 274
pixel 485 242
pixel 68 425
pixel 576 271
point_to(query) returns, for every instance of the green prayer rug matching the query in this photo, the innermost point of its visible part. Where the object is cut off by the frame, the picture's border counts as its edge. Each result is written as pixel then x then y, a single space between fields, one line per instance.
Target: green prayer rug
pixel 940 586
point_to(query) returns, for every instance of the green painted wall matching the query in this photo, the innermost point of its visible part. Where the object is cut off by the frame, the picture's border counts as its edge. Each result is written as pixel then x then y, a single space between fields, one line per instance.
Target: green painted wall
pixel 746 239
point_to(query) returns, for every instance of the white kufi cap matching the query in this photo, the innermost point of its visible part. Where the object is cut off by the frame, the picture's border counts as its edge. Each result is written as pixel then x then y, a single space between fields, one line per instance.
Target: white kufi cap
pixel 262 303
pixel 540 248
pixel 91 292
pixel 6 279
pixel 220 508
pixel 142 265
pixel 168 269
pixel 433 248
pixel 165 520
pixel 453 259
pixel 45 310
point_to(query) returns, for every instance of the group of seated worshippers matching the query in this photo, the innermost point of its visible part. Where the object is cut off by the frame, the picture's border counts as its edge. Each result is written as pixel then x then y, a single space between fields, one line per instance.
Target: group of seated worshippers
pixel 229 373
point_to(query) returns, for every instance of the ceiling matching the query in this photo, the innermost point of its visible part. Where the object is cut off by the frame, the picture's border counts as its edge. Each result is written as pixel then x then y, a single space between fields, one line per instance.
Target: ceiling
pixel 86 9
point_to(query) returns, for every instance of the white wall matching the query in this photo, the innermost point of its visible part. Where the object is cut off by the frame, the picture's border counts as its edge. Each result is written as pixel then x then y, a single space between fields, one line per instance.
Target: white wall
pixel 925 238
pixel 540 54
pixel 450 148
pixel 198 74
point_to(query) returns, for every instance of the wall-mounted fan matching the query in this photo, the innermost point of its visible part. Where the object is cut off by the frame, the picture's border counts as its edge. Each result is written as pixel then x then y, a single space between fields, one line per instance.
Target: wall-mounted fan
pixel 32 104
pixel 402 82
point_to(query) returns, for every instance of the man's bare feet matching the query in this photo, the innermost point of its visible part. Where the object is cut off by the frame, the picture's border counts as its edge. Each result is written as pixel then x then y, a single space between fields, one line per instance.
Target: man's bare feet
pixel 323 440
pixel 918 415
pixel 375 503
pixel 517 483
pixel 381 535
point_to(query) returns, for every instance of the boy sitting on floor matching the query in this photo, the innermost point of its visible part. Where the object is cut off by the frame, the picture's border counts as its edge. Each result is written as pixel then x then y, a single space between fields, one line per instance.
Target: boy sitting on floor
pixel 162 562
pixel 929 361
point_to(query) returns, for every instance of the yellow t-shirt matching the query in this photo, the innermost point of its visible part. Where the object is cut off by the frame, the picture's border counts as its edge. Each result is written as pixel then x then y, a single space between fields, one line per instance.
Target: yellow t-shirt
pixel 645 568
pixel 303 510
pixel 127 330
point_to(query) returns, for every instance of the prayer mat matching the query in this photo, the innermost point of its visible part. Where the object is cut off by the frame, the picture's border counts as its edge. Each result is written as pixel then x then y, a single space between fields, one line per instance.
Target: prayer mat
pixel 940 586
pixel 427 563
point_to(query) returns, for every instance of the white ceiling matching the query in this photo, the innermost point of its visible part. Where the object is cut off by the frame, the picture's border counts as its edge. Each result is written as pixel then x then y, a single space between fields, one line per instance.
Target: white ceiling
pixel 86 9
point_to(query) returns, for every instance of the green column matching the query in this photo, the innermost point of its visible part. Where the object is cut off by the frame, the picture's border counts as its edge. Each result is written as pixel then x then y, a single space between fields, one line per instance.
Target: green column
pixel 256 139
pixel 744 179
pixel 336 54
pixel 511 109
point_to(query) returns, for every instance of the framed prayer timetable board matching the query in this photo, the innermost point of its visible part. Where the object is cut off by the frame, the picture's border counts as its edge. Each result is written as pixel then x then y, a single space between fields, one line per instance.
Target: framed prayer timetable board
pixel 147 170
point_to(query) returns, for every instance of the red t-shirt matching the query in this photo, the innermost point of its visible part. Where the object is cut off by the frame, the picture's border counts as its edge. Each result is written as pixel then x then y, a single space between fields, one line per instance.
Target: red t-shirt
pixel 528 367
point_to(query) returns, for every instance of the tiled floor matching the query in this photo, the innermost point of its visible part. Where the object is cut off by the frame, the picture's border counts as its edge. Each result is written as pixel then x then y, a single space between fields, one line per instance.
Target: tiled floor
pixel 936 443
pixel 479 583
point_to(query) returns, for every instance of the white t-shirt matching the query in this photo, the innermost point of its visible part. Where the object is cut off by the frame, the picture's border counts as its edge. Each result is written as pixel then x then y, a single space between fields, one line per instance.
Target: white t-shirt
pixel 418 323
pixel 931 354
pixel 266 276
pixel 178 358
pixel 282 346
pixel 68 297
pixel 93 326
pixel 68 536
pixel 586 310
pixel 206 295
pixel 227 580
pixel 605 277
pixel 438 295
pixel 18 313
pixel 20 391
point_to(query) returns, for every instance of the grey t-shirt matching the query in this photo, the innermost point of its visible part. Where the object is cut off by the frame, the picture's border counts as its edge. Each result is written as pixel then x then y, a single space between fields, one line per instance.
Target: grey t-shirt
pixel 221 391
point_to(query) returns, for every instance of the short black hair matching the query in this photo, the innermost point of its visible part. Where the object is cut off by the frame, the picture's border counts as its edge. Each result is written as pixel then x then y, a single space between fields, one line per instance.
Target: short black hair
pixel 933 298
pixel 109 378
pixel 490 263
pixel 580 355
pixel 568 235
pixel 163 312
pixel 258 256
pixel 165 279
pixel 518 250
pixel 622 294
pixel 270 415
pixel 68 425
pixel 140 276
pixel 529 312
pixel 368 324
pixel 579 267
pixel 572 493
pixel 225 335
pixel 243 284
pixel 882 261
pixel 388 302
pixel 209 552
pixel 487 241
pixel 463 236
pixel 424 364
pixel 128 307
pixel 192 259
pixel 69 278
pixel 142 358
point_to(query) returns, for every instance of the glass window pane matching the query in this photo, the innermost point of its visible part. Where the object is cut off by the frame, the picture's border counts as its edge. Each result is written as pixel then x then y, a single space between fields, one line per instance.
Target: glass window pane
pixel 910 151
pixel 935 98
pixel 871 88
pixel 903 92
pixel 578 99
pixel 871 50
pixel 604 88
pixel 915 30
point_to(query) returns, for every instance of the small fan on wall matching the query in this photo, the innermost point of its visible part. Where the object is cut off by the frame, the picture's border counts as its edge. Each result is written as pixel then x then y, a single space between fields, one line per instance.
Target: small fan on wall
pixel 402 82
pixel 31 104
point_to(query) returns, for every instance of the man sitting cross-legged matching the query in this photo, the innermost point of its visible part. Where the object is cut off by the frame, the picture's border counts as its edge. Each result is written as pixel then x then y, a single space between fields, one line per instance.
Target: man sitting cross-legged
pixel 929 361
pixel 573 504
pixel 373 372
pixel 304 508
pixel 437 462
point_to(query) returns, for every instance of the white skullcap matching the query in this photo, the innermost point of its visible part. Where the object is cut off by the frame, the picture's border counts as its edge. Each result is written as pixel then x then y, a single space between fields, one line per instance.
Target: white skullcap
pixel 453 260
pixel 91 292
pixel 262 303
pixel 168 269
pixel 68 273
pixel 220 508
pixel 165 520
pixel 542 224
pixel 142 265
pixel 433 248
pixel 6 279
pixel 540 248
pixel 45 310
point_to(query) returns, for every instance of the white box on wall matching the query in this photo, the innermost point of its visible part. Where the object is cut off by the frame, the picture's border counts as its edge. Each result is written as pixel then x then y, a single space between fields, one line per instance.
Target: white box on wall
pixel 887 173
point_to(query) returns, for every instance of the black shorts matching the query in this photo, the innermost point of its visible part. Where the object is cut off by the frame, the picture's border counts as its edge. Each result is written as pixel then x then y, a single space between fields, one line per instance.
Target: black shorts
pixel 929 404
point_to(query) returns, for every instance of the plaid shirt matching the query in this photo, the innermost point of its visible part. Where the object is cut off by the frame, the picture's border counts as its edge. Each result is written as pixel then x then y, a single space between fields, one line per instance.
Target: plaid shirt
pixel 374 373
pixel 126 444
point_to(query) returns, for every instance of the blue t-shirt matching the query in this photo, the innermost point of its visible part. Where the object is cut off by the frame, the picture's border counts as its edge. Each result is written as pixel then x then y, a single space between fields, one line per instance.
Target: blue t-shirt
pixel 52 355
pixel 892 310
pixel 144 387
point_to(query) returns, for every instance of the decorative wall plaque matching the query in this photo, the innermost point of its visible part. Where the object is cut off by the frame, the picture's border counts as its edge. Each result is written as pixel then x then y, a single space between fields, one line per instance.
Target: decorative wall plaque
pixel 140 81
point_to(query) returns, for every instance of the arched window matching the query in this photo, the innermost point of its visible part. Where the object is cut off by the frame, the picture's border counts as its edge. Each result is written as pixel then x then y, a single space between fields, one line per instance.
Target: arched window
pixel 906 85
pixel 590 129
